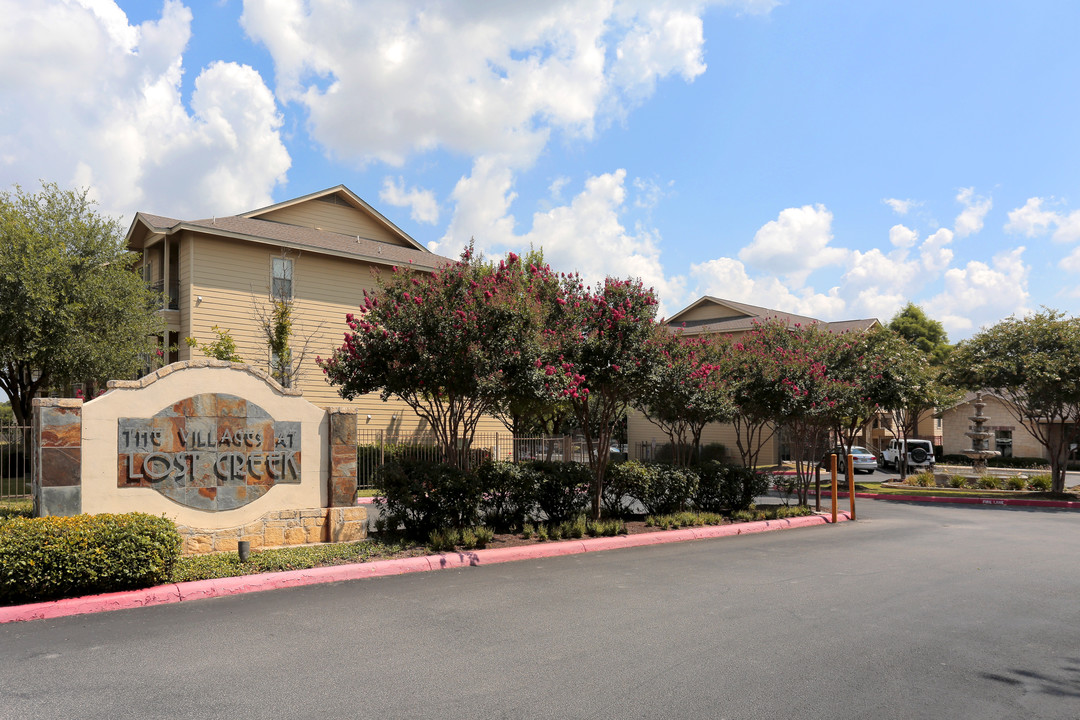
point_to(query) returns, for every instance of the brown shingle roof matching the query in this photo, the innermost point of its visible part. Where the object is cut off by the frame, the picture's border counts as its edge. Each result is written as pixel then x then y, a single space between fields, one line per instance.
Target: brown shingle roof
pixel 251 229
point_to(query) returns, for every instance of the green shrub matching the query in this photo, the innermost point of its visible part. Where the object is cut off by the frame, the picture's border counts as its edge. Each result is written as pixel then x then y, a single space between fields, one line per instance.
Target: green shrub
pixel 957 481
pixel 989 482
pixel 562 488
pixel 1041 483
pixel 620 480
pixel 926 479
pixel 442 540
pixel 484 535
pixel 1016 482
pixel 420 497
pixel 605 528
pixel 661 489
pixel 53 557
pixel 21 507
pixel 728 488
pixel 509 494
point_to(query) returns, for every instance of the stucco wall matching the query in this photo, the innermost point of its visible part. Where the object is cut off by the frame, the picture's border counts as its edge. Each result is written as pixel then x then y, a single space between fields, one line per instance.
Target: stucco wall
pixel 956 421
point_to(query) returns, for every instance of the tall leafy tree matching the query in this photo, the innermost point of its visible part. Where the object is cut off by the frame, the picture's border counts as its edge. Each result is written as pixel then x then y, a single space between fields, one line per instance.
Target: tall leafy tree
pixel 605 356
pixel 754 367
pixel 1033 365
pixel 923 332
pixel 452 344
pixel 921 392
pixel 71 306
pixel 688 392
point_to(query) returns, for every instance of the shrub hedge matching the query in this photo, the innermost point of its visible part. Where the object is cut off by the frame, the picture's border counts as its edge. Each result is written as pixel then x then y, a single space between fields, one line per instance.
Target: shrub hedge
pixel 421 497
pixel 53 557
pixel 728 488
pixel 562 488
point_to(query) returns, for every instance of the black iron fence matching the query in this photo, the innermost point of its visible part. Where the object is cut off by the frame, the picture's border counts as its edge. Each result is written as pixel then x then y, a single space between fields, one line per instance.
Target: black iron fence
pixel 375 448
pixel 14 461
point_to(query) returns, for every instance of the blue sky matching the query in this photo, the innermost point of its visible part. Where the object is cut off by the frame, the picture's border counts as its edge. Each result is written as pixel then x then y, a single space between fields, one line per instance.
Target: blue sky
pixel 835 159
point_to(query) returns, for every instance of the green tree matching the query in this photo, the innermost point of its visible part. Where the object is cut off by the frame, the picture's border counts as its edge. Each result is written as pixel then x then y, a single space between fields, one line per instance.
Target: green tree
pixel 925 333
pixel 604 354
pixel 923 390
pixel 1032 365
pixel 223 347
pixel 71 306
pixel 688 393
pixel 452 344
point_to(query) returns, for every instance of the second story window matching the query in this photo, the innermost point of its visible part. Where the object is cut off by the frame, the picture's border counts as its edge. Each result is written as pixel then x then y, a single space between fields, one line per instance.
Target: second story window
pixel 281 276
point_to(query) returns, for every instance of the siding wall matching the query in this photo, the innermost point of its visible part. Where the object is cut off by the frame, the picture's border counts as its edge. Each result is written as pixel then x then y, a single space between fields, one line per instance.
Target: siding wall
pixel 233 276
pixel 334 218
pixel 708 311
pixel 639 429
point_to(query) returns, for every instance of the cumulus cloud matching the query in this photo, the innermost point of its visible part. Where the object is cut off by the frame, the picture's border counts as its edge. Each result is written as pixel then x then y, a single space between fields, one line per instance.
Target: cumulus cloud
pixel 795 244
pixel 586 235
pixel 727 278
pixel 979 294
pixel 970 219
pixel 903 237
pixel 900 207
pixel 1033 221
pixel 99 105
pixel 509 74
pixel 423 207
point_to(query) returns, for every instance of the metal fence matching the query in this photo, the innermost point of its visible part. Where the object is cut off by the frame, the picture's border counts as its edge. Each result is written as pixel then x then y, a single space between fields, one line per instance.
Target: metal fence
pixel 375 448
pixel 14 461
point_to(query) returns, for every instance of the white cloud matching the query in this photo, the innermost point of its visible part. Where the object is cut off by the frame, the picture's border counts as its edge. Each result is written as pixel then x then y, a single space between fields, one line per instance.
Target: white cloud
pixel 585 235
pixel 509 74
pixel 795 244
pixel 979 294
pixel 934 253
pixel 99 104
pixel 1033 221
pixel 727 278
pixel 902 237
pixel 423 207
pixel 900 207
pixel 970 219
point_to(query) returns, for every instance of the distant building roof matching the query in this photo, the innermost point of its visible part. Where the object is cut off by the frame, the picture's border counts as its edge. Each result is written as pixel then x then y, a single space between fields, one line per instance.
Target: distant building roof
pixel 716 315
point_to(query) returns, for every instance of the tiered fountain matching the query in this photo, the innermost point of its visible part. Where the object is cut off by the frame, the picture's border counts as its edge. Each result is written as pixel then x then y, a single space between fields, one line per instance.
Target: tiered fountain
pixel 980 438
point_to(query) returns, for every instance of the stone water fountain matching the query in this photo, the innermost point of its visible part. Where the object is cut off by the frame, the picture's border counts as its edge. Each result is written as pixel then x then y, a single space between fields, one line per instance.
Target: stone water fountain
pixel 980 450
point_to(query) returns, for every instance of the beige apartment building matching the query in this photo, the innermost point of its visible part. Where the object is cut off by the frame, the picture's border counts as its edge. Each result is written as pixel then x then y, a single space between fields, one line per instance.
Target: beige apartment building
pixel 716 316
pixel 322 250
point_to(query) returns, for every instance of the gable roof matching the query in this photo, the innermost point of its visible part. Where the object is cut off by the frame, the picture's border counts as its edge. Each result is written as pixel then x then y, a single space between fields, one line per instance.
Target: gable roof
pixel 345 196
pixel 251 227
pixel 732 316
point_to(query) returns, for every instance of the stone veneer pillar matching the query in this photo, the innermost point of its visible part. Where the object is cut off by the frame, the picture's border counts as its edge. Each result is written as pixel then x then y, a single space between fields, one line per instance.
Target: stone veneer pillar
pixel 342 476
pixel 57 460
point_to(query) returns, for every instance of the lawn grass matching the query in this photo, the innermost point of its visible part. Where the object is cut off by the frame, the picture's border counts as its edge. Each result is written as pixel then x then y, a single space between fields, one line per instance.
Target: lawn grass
pixel 14 486
pixel 20 507
pixel 301 557
pixel 876 487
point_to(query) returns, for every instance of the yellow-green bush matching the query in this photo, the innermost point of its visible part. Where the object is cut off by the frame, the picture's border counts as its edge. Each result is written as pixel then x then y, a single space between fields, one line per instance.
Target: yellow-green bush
pixel 54 557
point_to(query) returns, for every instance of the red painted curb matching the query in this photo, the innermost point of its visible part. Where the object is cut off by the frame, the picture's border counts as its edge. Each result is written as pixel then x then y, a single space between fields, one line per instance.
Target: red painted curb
pixel 221 587
pixel 1018 502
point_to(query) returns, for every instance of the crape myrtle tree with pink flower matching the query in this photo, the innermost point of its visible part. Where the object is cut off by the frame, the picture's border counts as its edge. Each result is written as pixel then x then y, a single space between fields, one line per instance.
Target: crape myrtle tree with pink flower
pixel 688 392
pixel 603 334
pixel 452 344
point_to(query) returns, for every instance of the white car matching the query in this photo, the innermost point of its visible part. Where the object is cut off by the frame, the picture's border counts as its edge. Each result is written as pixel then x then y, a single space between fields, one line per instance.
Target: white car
pixel 862 460
pixel 920 455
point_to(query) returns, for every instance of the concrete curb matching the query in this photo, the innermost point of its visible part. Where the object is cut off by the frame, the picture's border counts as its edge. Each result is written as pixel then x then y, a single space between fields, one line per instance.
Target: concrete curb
pixel 202 589
pixel 1017 502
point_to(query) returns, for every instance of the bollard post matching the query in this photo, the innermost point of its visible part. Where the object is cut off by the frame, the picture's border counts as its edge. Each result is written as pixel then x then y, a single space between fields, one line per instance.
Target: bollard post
pixel 851 483
pixel 832 471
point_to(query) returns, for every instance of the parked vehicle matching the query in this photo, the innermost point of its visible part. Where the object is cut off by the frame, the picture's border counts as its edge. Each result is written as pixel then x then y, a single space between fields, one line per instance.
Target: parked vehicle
pixel 920 455
pixel 863 460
